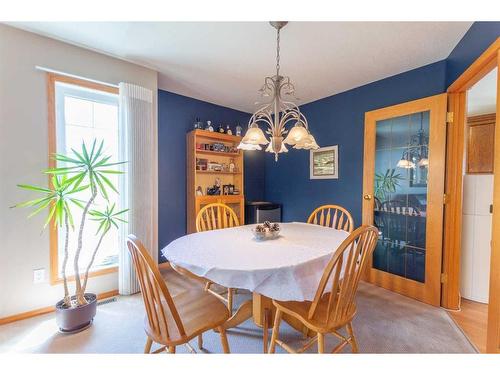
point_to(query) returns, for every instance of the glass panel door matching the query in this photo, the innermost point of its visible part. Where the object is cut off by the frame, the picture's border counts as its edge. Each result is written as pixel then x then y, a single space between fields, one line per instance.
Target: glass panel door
pixel 400 191
pixel 403 187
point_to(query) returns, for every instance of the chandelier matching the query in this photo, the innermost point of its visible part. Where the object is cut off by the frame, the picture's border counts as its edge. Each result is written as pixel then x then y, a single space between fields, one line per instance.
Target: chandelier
pixel 276 114
pixel 417 151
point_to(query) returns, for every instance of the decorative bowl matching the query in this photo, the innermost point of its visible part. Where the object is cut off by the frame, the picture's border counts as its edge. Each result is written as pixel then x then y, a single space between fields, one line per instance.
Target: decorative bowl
pixel 263 236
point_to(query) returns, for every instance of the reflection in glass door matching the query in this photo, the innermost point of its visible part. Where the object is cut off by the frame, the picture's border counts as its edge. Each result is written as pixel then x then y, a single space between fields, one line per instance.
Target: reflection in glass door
pixel 403 195
pixel 400 193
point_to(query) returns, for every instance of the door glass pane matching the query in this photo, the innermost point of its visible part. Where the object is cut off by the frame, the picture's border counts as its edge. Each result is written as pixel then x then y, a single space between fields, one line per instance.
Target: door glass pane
pixel 400 186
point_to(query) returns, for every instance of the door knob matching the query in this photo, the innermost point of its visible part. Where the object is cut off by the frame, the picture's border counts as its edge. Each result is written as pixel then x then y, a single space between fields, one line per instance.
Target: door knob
pixel 367 197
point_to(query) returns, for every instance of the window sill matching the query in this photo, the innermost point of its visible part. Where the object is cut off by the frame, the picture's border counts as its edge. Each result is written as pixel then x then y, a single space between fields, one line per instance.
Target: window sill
pixel 55 279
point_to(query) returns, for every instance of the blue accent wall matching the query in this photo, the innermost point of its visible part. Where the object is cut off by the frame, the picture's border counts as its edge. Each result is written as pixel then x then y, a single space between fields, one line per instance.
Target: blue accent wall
pixel 335 120
pixel 176 115
pixel 477 39
pixel 339 120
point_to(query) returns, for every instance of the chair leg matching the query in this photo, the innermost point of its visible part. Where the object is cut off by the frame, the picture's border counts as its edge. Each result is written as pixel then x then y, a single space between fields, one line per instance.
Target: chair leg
pixel 207 286
pixel 147 348
pixel 200 341
pixel 223 340
pixel 321 343
pixel 230 293
pixel 276 330
pixel 352 339
pixel 171 349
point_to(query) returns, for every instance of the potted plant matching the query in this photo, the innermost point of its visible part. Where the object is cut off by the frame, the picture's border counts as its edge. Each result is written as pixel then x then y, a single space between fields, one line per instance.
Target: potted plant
pixel 85 173
pixel 386 183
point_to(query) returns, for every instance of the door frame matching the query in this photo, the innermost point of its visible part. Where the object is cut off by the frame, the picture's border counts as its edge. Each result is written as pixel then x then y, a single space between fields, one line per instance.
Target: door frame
pixel 430 291
pixel 455 167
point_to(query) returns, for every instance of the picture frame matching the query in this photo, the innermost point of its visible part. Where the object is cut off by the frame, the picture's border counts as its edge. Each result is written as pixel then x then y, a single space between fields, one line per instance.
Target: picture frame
pixel 324 163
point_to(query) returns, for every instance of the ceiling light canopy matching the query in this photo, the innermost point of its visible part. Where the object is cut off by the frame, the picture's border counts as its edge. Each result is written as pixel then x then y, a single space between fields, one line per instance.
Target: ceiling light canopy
pixel 277 114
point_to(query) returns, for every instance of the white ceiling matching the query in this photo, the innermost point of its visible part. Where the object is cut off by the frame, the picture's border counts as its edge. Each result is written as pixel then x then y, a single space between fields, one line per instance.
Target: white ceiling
pixel 225 62
pixel 482 97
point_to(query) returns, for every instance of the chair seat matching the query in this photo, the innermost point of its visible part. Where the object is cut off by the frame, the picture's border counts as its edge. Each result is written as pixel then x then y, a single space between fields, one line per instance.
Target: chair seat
pixel 318 323
pixel 199 311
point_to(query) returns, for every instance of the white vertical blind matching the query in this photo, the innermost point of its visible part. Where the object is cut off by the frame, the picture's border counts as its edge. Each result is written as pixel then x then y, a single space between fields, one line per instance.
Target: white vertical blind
pixel 138 147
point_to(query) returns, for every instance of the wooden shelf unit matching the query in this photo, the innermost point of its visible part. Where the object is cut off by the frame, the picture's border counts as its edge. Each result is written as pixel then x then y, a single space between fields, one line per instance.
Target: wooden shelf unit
pixel 205 179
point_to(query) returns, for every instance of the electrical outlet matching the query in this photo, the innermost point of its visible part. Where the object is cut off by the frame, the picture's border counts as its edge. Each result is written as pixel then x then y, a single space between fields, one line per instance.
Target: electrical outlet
pixel 39 276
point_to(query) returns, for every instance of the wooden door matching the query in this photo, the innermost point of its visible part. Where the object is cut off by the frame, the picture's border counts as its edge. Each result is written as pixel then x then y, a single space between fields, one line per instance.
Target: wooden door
pixel 403 195
pixel 493 339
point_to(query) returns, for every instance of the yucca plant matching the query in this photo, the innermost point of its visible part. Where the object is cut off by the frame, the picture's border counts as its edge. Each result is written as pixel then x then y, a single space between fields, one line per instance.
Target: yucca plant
pixel 386 183
pixel 84 170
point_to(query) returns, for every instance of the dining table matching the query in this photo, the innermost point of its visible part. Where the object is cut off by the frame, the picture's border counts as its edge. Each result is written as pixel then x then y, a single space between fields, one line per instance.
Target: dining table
pixel 287 268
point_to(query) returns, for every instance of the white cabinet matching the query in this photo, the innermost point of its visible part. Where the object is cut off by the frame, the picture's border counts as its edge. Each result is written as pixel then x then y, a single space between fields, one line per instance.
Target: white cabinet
pixel 476 237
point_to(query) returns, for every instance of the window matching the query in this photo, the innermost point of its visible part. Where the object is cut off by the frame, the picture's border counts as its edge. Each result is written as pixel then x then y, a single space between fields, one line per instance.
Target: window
pixel 81 112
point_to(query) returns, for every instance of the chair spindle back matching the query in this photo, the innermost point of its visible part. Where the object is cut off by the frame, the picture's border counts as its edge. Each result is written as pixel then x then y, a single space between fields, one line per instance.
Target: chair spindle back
pixel 332 216
pixel 345 270
pixel 216 216
pixel 153 290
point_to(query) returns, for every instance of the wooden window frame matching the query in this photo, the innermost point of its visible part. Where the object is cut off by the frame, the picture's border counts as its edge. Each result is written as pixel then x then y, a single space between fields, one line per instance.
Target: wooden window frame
pixel 52 79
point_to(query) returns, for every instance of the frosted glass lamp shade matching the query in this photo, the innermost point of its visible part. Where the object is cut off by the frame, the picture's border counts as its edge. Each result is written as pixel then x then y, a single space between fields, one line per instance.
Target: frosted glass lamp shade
pixel 248 147
pixel 424 162
pixel 254 136
pixel 407 164
pixel 308 143
pixel 297 134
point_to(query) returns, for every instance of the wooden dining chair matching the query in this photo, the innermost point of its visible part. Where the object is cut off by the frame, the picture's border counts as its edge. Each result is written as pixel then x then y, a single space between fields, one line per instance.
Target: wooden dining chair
pixel 332 216
pixel 334 305
pixel 174 321
pixel 217 216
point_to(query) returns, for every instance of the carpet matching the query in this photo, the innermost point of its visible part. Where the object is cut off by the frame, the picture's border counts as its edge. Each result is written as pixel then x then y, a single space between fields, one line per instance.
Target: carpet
pixel 385 323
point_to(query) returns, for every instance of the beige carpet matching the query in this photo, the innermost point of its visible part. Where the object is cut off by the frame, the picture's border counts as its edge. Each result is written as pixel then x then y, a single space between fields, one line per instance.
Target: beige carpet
pixel 386 323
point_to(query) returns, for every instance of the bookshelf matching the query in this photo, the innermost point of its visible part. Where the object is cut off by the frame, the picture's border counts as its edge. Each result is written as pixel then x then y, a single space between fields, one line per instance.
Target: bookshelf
pixel 200 159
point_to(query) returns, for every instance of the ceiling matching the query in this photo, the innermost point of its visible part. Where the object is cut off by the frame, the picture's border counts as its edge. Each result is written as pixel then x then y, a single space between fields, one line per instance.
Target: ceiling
pixel 482 97
pixel 226 62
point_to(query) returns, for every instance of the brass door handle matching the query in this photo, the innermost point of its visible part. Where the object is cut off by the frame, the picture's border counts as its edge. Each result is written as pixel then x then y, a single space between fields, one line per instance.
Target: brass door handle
pixel 367 197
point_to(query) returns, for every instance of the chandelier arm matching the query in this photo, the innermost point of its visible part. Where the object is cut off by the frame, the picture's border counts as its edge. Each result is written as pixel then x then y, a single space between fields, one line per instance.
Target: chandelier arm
pixel 261 111
pixel 288 116
pixel 262 117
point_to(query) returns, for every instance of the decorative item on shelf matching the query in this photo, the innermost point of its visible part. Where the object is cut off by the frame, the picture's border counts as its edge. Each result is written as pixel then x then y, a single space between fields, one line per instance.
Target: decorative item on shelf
pixel 228 189
pixel 266 231
pixel 214 167
pixel 215 189
pixel 239 129
pixel 199 191
pixel 232 166
pixel 236 191
pixel 209 126
pixel 221 129
pixel 225 167
pixel 219 147
pixel 228 130
pixel 276 114
pixel 201 164
pixel 198 124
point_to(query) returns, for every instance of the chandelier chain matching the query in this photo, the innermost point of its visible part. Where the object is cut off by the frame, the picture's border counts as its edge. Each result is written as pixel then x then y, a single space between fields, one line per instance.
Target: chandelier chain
pixel 278 53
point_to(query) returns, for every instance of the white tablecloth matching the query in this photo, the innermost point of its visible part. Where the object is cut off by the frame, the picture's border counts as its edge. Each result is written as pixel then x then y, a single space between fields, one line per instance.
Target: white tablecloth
pixel 287 268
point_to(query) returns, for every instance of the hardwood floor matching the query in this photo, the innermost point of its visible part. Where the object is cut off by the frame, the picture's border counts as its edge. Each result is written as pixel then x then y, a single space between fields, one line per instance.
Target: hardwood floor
pixel 473 320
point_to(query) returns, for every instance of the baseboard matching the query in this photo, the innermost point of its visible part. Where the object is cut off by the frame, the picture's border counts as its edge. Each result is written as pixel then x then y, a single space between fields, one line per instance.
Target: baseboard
pixel 46 310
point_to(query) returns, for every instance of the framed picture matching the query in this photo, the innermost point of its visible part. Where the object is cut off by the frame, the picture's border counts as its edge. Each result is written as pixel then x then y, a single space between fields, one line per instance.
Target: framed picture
pixel 324 163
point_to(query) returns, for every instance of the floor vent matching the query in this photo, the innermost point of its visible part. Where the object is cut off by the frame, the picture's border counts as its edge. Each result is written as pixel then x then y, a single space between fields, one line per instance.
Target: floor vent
pixel 106 301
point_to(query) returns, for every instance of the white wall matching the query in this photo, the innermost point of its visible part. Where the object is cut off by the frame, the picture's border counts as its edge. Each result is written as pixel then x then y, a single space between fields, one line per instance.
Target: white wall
pixel 476 237
pixel 24 153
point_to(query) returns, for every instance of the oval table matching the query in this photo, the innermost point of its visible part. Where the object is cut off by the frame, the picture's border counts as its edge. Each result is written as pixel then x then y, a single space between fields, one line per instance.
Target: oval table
pixel 287 268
